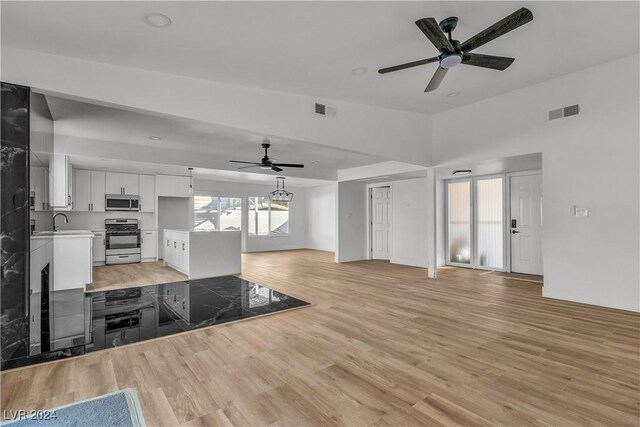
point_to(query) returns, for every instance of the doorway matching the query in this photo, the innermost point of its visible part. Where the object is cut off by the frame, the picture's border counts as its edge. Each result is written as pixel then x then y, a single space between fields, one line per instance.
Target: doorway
pixel 526 224
pixel 380 209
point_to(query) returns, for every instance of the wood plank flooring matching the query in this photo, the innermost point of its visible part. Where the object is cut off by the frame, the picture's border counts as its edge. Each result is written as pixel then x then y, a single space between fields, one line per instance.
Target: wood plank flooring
pixel 108 277
pixel 382 345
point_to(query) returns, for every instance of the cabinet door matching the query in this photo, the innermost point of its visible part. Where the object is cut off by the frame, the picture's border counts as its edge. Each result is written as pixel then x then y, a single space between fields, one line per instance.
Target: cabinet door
pixel 149 245
pixel 165 185
pixel 83 191
pixel 167 248
pixel 147 193
pixel 99 248
pixel 182 186
pixel 38 184
pixel 113 183
pixel 60 197
pixel 130 184
pixel 97 191
pixel 185 255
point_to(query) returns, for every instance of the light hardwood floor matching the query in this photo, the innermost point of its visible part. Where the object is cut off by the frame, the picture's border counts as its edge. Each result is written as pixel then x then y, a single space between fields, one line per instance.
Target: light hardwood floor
pixel 382 345
pixel 107 277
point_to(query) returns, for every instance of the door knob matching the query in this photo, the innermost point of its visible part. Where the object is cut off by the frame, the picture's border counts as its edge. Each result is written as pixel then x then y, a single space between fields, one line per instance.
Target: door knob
pixel 514 232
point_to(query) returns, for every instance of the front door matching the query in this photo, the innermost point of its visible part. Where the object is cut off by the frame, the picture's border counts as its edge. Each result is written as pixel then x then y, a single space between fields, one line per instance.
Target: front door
pixel 526 224
pixel 380 222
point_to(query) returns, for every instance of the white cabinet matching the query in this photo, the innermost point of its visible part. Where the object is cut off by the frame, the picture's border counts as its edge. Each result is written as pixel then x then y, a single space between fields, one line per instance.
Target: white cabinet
pixel 122 183
pixel 39 187
pixel 99 246
pixel 173 186
pixel 72 263
pixel 201 254
pixel 149 245
pixel 60 184
pixel 147 184
pixel 89 191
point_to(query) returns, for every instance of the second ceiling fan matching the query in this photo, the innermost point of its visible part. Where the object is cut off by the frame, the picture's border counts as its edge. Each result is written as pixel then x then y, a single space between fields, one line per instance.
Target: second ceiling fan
pixel 453 53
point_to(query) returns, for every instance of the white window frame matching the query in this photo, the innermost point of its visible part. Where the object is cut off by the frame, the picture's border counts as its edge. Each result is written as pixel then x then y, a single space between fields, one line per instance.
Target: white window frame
pixel 269 234
pixel 475 264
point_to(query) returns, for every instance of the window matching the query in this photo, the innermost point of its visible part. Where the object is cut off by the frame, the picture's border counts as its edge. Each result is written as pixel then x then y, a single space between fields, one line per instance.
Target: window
pixel 268 218
pixel 217 213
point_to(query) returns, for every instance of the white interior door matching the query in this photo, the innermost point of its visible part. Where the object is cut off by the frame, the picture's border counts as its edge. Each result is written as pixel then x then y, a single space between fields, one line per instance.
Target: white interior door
pixel 380 222
pixel 526 224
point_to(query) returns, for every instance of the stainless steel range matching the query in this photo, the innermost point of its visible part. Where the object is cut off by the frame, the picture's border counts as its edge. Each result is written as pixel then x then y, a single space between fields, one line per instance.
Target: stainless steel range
pixel 123 241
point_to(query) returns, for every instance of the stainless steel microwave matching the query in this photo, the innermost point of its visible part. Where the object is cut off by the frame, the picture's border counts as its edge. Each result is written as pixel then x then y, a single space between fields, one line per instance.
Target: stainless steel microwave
pixel 118 202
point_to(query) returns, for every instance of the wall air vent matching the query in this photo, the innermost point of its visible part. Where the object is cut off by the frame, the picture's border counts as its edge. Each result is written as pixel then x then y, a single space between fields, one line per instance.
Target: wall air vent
pixel 320 109
pixel 571 110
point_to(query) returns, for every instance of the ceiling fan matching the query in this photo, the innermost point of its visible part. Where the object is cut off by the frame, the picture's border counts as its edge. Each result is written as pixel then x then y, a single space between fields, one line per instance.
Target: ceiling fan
pixel 452 52
pixel 266 162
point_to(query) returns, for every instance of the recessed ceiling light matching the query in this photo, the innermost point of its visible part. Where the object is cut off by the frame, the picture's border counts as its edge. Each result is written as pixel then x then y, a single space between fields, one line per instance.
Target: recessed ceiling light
pixel 461 172
pixel 360 71
pixel 157 20
pixel 452 94
pixel 155 138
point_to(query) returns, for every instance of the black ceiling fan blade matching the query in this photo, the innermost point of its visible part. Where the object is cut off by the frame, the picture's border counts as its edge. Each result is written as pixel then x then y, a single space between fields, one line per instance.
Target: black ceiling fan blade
pixel 250 166
pixel 275 168
pixel 288 165
pixel 499 63
pixel 432 30
pixel 435 81
pixel 408 65
pixel 500 28
pixel 240 161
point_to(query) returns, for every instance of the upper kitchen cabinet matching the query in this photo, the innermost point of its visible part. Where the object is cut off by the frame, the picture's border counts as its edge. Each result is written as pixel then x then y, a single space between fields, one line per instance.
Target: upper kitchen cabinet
pixel 60 184
pixel 39 187
pixel 122 183
pixel 147 193
pixel 173 186
pixel 89 192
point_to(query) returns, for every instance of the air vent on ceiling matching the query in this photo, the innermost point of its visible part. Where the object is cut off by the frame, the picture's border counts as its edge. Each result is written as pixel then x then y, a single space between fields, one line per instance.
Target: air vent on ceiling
pixel 559 113
pixel 325 110
pixel 320 109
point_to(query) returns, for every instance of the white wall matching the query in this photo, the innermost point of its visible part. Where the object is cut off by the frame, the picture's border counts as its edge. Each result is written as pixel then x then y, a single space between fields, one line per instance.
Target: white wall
pixel 95 220
pixel 321 217
pixel 297 237
pixel 356 127
pixel 589 160
pixel 352 221
pixel 409 222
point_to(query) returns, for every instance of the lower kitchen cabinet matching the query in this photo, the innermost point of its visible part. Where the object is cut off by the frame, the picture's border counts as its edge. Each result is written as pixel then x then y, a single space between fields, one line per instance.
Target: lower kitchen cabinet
pixel 200 254
pixel 99 246
pixel 149 245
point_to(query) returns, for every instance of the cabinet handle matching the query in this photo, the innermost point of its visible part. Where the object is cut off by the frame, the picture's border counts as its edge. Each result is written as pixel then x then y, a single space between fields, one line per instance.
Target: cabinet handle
pixel 141 240
pixel 44 206
pixel 174 245
pixel 183 246
pixel 167 243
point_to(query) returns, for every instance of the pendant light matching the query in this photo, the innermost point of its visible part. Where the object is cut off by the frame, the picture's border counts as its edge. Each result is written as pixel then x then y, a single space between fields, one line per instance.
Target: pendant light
pixel 280 194
pixel 191 180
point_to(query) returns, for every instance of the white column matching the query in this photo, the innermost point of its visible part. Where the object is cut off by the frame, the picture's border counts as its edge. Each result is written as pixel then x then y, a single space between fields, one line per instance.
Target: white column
pixel 432 265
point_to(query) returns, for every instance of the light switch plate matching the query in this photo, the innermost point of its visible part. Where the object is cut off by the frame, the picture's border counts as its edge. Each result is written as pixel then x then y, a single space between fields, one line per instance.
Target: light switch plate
pixel 581 212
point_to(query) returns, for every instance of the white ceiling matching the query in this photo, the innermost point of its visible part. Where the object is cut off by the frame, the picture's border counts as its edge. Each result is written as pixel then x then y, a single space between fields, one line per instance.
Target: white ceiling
pixel 114 165
pixel 95 123
pixel 311 47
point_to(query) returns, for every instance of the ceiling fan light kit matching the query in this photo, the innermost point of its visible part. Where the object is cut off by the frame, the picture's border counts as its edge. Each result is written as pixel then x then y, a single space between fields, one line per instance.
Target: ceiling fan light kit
pixel 454 53
pixel 280 194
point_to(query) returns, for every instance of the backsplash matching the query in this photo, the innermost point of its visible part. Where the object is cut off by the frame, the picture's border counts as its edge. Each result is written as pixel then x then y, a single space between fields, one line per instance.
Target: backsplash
pixel 95 220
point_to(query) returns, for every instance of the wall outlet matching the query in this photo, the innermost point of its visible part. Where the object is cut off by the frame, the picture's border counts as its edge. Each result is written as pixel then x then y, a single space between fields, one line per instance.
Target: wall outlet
pixel 579 212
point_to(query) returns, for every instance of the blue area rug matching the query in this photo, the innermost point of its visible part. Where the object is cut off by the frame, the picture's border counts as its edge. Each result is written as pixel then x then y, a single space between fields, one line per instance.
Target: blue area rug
pixel 119 409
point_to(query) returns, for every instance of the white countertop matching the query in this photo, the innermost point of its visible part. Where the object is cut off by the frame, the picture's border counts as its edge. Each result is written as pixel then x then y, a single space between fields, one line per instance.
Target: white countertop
pixel 62 234
pixel 201 231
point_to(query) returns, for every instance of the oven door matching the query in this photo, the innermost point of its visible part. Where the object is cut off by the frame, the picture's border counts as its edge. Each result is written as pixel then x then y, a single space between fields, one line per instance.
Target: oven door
pixel 119 241
pixel 117 203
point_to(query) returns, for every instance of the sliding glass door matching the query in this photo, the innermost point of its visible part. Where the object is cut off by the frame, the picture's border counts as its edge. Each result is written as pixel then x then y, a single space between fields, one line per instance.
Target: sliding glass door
pixel 475 222
pixel 490 223
pixel 459 222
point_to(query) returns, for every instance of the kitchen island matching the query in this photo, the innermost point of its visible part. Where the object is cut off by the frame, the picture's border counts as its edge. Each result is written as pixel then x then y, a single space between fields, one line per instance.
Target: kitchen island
pixel 203 253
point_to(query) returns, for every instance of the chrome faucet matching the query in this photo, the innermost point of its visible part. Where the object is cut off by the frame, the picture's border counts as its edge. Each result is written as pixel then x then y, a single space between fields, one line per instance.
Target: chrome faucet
pixel 66 220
